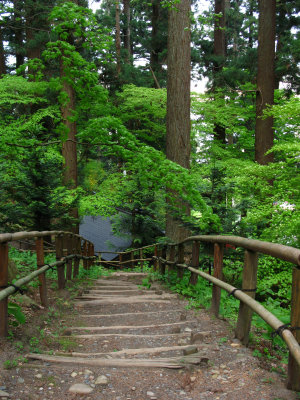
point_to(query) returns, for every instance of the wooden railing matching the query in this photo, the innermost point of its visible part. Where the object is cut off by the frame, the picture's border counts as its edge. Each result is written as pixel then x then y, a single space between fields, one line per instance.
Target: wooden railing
pixel 70 249
pixel 173 256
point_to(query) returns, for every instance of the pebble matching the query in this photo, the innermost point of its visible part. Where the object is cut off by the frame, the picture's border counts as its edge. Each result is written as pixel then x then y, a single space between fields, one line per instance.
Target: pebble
pixel 150 394
pixel 39 376
pixel 4 394
pixel 21 380
pixel 87 372
pixel 133 388
pixel 80 388
pixel 187 329
pixel 101 380
pixel 74 374
pixel 193 378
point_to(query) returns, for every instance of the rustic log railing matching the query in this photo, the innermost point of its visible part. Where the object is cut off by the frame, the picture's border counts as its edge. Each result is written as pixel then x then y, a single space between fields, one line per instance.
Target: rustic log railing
pixel 69 247
pixel 175 258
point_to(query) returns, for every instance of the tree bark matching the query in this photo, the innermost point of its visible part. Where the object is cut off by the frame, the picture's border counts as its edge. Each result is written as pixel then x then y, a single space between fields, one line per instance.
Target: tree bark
pixel 69 150
pixel 178 103
pixel 219 58
pixel 19 33
pixel 118 38
pixel 127 31
pixel 2 55
pixel 264 135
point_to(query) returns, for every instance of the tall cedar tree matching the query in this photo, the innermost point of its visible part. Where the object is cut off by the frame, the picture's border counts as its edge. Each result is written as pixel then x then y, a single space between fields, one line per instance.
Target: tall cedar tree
pixel 178 146
pixel 264 135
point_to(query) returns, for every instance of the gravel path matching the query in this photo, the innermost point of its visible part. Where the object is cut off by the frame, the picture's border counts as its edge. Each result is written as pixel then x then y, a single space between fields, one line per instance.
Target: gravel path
pixel 159 329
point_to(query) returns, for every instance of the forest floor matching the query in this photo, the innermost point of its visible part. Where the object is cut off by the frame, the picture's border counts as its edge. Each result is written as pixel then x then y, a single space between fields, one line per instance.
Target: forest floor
pixel 81 347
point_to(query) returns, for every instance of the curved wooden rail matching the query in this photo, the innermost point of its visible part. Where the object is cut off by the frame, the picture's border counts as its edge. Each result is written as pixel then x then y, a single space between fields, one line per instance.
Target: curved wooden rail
pixel 173 255
pixel 69 248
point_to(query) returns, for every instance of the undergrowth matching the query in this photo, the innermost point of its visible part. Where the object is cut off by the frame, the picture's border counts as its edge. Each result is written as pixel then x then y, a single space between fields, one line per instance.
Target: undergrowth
pixel 261 337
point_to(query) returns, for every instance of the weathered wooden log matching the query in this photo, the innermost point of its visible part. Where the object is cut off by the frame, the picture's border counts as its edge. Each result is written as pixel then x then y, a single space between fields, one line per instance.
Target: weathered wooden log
pixel 294 365
pixel 42 277
pixel 195 262
pixel 218 266
pixel 266 315
pixel 3 285
pixel 248 286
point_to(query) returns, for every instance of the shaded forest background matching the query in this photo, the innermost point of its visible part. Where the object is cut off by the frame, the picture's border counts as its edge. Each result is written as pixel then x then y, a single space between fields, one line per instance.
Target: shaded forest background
pixel 83 99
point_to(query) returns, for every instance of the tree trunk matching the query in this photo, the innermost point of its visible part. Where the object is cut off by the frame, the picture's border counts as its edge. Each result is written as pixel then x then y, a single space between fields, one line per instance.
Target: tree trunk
pixel 219 58
pixel 19 32
pixel 178 103
pixel 69 148
pixel 127 32
pixel 118 38
pixel 2 55
pixel 264 134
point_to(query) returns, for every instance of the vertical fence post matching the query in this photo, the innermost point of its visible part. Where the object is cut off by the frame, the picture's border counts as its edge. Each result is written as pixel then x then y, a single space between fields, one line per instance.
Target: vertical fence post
pixel 77 247
pixel 3 285
pixel 84 253
pixel 40 261
pixel 59 249
pixel 141 257
pixel 69 247
pixel 155 264
pixel 180 260
pixel 92 253
pixel 218 273
pixel 162 265
pixel 248 286
pixel 195 262
pixel 172 257
pixel 293 367
pixel 132 259
pixel 120 260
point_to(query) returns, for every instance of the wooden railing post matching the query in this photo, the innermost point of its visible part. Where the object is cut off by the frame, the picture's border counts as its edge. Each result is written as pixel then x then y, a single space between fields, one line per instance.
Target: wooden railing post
pixel 195 262
pixel 40 261
pixel 162 265
pixel 180 260
pixel 141 257
pixel 69 247
pixel 3 285
pixel 155 264
pixel 84 253
pixel 77 247
pixel 293 382
pixel 171 257
pixel 248 286
pixel 92 253
pixel 120 260
pixel 132 259
pixel 218 273
pixel 59 249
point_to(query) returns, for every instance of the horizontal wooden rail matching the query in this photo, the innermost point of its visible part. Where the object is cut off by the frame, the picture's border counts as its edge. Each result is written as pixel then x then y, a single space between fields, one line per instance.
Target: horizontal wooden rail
pixel 9 237
pixel 28 278
pixel 173 255
pixel 125 262
pixel 286 253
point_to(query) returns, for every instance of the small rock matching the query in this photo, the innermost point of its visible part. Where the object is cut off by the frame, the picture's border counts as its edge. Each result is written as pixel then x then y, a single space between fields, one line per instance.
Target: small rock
pixel 74 374
pixel 39 376
pixel 187 329
pixel 223 366
pixel 190 350
pixel 199 337
pixel 80 388
pixel 182 317
pixel 87 372
pixel 4 394
pixel 193 378
pixel 150 394
pixel 20 380
pixel 101 380
pixel 235 345
pixel 133 388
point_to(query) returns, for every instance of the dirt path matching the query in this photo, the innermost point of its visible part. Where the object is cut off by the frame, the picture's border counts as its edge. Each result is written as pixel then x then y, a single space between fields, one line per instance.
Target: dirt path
pixel 135 344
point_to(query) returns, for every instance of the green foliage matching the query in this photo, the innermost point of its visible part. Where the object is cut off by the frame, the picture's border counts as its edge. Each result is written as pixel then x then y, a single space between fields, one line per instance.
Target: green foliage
pixel 16 311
